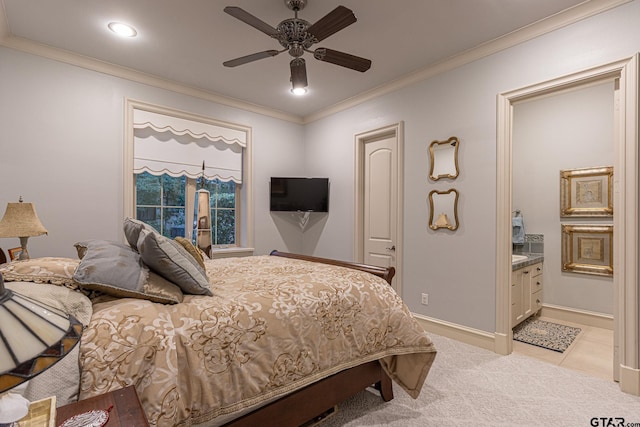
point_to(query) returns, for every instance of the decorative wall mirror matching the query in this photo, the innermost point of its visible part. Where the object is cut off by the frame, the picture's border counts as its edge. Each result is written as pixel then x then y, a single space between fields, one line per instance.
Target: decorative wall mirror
pixel 444 159
pixel 443 209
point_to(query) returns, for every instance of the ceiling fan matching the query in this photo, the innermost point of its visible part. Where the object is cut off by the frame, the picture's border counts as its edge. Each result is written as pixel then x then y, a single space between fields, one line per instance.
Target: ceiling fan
pixel 297 36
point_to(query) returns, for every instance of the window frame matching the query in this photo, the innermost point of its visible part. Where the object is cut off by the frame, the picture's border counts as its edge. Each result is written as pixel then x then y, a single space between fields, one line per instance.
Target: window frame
pixel 189 207
pixel 161 205
pixel 214 210
pixel 244 192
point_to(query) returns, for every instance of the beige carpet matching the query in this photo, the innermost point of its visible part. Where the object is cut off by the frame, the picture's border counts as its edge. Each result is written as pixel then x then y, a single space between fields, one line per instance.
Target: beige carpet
pixel 469 386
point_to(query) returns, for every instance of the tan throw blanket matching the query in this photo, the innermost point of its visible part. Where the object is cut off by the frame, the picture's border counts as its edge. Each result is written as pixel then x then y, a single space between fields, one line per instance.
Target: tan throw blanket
pixel 273 325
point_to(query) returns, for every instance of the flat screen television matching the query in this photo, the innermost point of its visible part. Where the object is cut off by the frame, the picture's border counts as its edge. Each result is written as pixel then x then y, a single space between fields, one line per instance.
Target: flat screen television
pixel 299 194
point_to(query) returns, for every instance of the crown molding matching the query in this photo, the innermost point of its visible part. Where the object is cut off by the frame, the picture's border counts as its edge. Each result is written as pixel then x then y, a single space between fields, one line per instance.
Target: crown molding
pixel 562 19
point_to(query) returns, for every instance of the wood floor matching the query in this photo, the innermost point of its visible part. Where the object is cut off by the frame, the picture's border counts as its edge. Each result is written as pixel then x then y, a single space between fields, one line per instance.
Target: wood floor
pixel 591 352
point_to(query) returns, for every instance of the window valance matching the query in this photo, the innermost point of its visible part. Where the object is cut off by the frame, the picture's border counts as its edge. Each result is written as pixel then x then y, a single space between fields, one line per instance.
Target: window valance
pixel 171 145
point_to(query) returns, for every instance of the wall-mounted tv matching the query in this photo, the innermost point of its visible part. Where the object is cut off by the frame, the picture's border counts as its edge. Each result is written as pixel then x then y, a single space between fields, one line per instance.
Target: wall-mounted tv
pixel 299 194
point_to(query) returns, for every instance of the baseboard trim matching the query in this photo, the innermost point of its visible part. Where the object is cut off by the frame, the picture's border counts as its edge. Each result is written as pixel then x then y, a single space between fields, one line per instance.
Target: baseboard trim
pixel 457 332
pixel 630 380
pixel 574 315
pixel 503 344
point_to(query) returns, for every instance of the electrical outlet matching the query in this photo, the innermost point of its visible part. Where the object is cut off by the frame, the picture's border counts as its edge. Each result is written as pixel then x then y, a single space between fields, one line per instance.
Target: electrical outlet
pixel 425 299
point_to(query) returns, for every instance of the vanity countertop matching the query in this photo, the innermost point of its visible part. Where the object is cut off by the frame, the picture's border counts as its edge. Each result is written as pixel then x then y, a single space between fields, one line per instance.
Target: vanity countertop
pixel 531 259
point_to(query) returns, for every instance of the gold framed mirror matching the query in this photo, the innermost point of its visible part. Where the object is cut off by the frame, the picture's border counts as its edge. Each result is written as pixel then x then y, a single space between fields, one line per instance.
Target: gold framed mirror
pixel 444 159
pixel 443 209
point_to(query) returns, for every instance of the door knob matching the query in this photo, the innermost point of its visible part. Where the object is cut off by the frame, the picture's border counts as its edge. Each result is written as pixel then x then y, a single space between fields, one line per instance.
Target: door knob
pixel 392 248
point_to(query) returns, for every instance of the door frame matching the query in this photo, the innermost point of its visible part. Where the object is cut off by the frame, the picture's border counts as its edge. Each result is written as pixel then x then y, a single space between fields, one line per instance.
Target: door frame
pixel 625 280
pixel 395 130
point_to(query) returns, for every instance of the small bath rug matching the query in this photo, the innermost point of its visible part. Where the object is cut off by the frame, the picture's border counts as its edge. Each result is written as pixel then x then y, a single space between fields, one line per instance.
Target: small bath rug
pixel 545 334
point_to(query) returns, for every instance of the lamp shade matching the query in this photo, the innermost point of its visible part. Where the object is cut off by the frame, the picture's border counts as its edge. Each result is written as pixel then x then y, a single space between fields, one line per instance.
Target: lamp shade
pixel 33 337
pixel 21 220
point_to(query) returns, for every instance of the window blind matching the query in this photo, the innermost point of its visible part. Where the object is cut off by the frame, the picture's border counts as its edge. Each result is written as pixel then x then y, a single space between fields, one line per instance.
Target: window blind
pixel 175 146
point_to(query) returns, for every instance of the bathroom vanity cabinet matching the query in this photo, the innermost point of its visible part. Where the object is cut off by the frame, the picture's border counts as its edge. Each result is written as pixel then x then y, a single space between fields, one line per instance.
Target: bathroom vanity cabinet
pixel 526 292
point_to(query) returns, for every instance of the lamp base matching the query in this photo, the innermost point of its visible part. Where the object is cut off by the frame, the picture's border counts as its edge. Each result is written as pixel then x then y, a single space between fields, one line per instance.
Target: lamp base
pixel 24 254
pixel 13 407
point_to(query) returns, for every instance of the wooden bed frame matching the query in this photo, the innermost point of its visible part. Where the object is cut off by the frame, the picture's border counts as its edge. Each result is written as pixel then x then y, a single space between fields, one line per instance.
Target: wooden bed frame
pixel 315 399
pixel 310 402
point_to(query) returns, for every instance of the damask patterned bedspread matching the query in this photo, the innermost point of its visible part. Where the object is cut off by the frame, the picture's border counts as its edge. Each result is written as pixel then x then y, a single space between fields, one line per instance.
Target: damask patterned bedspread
pixel 273 325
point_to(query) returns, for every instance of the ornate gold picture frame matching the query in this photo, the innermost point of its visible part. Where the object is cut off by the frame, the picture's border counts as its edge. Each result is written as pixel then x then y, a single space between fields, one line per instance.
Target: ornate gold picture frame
pixel 587 249
pixel 444 159
pixel 42 413
pixel 445 205
pixel 586 192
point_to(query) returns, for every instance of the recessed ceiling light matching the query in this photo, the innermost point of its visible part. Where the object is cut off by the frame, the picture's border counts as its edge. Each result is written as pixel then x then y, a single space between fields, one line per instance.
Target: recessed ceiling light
pixel 299 91
pixel 123 30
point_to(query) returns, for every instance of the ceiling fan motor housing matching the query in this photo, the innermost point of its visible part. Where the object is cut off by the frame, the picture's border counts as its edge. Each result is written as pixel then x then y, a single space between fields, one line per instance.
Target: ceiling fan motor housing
pixel 293 35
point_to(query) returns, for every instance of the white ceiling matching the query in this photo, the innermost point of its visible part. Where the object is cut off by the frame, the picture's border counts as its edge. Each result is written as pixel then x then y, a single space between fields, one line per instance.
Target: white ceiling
pixel 187 41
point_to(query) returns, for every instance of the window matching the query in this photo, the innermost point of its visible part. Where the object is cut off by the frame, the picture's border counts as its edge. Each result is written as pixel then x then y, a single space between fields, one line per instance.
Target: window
pixel 223 211
pixel 164 168
pixel 161 202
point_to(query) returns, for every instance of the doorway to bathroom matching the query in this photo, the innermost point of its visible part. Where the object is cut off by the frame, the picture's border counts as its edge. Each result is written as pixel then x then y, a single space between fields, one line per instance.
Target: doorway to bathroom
pixel 621 77
pixel 568 131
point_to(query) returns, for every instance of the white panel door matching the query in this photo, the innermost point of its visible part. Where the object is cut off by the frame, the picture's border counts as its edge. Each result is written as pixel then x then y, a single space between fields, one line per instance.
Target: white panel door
pixel 380 201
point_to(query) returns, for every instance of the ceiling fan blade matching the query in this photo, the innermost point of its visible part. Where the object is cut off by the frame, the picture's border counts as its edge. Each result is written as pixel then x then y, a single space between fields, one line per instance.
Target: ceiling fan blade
pixel 248 18
pixel 343 59
pixel 331 23
pixel 298 73
pixel 250 58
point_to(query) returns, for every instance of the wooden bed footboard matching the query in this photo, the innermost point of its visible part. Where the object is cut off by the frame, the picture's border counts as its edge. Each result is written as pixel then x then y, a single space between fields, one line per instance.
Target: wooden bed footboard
pixel 386 273
pixel 309 402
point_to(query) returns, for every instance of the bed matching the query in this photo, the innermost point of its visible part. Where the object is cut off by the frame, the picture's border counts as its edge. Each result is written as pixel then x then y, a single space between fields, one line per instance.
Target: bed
pixel 281 339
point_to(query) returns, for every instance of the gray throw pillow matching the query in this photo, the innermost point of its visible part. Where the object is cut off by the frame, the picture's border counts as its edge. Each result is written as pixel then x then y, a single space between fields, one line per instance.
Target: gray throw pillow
pixel 132 229
pixel 117 270
pixel 170 260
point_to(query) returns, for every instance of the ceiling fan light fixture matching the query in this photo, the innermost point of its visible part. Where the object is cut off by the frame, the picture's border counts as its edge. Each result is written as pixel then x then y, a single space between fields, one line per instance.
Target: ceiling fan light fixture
pixel 299 81
pixel 123 30
pixel 299 91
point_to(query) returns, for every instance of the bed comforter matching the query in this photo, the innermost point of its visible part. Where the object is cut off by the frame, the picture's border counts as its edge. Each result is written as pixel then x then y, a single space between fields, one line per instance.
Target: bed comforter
pixel 273 325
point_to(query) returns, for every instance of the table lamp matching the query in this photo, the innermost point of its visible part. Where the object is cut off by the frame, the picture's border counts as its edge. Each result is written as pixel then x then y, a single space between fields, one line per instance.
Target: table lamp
pixel 33 337
pixel 20 220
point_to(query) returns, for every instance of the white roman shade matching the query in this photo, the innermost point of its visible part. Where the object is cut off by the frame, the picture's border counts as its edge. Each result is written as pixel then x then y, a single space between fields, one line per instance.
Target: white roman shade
pixel 175 146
